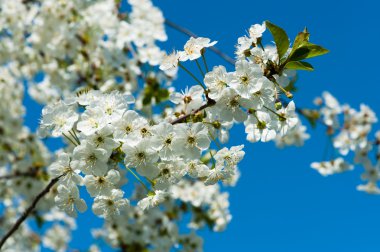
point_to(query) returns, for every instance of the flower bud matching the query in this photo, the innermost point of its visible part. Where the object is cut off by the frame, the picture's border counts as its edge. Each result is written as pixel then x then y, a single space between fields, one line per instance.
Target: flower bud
pixel 278 105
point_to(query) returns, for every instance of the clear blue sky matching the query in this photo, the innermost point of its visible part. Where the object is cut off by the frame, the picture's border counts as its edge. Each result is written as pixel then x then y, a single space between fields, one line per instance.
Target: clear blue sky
pixel 280 203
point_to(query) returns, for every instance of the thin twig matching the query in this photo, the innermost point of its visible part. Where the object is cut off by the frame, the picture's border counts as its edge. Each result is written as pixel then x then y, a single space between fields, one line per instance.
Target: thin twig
pixel 210 102
pixel 192 34
pixel 138 179
pixel 200 68
pixel 30 209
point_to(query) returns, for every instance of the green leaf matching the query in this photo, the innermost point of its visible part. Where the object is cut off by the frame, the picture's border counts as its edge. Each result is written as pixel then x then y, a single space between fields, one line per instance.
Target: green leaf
pixel 147 99
pixel 280 38
pixel 307 50
pixel 163 94
pixel 302 37
pixel 299 65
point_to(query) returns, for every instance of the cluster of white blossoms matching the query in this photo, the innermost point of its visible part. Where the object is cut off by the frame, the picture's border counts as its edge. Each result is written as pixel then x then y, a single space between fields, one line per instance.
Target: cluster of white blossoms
pixel 107 136
pixel 73 43
pixel 246 95
pixel 350 130
pixel 56 49
pixel 199 196
pixel 136 228
pixel 137 151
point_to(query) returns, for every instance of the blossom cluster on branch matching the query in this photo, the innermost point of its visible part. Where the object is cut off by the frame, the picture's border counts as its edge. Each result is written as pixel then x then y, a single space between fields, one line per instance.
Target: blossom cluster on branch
pixel 349 130
pixel 138 150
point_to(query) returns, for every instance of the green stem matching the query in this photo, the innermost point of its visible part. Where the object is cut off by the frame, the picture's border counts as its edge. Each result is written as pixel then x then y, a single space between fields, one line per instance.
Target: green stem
pixel 282 89
pixel 77 140
pixel 150 181
pixel 286 92
pixel 214 140
pixel 199 67
pixel 204 62
pixel 192 75
pixel 209 123
pixel 68 138
pixel 261 45
pixel 254 114
pixel 138 178
pixel 213 160
pixel 274 112
pixel 76 135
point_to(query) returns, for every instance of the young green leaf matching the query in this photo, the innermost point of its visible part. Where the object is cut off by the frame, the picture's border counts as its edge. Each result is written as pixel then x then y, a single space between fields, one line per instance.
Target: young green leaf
pixel 299 65
pixel 301 38
pixel 147 99
pixel 307 50
pixel 280 38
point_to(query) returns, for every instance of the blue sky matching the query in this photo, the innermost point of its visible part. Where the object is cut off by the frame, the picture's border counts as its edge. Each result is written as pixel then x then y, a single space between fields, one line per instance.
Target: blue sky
pixel 280 203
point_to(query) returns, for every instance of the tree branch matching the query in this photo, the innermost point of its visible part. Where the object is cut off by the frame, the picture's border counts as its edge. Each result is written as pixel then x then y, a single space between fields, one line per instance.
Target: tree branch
pixel 210 102
pixel 29 209
pixel 32 174
pixel 192 34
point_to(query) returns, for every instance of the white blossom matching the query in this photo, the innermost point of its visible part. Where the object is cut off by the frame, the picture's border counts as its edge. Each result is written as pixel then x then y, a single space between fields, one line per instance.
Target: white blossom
pixel 256 31
pixel 90 160
pixel 68 200
pixel 193 48
pixel 101 185
pixel 108 206
pixel 153 200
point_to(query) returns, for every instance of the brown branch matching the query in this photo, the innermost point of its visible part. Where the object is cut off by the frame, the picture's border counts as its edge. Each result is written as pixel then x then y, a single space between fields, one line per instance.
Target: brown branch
pixel 192 34
pixel 32 174
pixel 210 102
pixel 28 1
pixel 29 209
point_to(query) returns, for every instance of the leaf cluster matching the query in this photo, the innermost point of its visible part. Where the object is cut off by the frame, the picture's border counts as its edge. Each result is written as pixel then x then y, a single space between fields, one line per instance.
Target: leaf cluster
pixel 301 50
